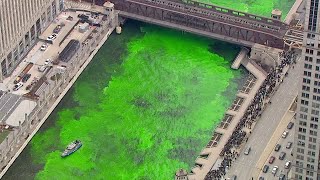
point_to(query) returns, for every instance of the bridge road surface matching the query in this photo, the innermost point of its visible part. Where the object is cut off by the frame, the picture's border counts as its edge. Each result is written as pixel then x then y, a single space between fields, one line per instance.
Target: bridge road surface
pixel 245 165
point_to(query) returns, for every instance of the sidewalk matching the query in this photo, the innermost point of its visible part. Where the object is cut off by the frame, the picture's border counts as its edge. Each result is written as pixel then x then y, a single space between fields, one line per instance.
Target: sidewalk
pixel 213 153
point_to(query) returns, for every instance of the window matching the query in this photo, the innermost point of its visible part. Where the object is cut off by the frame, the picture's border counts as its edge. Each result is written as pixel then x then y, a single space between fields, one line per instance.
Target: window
pixel 313 133
pixel 317 76
pixel 315 90
pixel 304 102
pixel 300 157
pixel 312 146
pixel 313 140
pixel 314 119
pixel 306 88
pixel 306 80
pixel 307 73
pixel 304 109
pixel 308 66
pixel 309 51
pixel 314 126
pixel 302 137
pixel 315 112
pixel 308 58
pixel 303 116
pixel 300 150
pixel 316 98
pixel 312 153
pixel 305 95
pixel 302 123
pixel 303 130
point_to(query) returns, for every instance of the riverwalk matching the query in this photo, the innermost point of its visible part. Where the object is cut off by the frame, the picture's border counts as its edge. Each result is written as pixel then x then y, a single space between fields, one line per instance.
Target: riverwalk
pixel 209 157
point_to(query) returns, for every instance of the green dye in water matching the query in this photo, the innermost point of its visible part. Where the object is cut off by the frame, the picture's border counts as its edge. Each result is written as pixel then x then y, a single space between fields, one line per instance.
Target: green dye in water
pixel 155 115
pixel 144 110
pixel 257 7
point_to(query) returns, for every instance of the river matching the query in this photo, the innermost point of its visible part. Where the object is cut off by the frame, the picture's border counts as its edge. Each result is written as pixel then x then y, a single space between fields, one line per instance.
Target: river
pixel 145 106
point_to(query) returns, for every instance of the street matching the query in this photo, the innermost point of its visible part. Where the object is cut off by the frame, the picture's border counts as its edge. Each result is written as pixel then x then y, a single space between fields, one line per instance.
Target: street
pixel 245 165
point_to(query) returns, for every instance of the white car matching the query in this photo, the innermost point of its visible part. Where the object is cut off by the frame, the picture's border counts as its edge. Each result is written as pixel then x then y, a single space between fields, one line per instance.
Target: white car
pixel 17 86
pixel 47 62
pixel 275 170
pixel 43 47
pixel 285 134
pixel 52 37
pixel 42 68
pixel 287 165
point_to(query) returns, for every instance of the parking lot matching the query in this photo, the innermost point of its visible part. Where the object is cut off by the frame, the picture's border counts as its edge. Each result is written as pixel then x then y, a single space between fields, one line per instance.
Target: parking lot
pixel 281 148
pixel 46 51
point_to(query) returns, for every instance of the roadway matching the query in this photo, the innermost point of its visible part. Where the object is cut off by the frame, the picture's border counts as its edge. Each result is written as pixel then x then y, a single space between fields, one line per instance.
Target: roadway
pixel 277 162
pixel 245 166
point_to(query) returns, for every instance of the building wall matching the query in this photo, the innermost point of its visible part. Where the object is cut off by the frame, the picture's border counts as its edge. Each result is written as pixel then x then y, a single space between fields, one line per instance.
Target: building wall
pixel 21 21
pixel 307 134
pixel 97 2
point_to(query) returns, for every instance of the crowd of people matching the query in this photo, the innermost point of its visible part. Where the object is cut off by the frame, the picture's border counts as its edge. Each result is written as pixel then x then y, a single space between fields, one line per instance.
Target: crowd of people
pixel 254 110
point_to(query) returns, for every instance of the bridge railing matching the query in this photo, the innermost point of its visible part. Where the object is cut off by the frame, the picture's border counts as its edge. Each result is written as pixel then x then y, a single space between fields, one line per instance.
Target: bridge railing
pixel 232 12
pixel 249 21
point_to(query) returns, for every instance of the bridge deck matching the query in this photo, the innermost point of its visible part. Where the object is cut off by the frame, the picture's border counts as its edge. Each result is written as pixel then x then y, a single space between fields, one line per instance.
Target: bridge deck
pixel 220 22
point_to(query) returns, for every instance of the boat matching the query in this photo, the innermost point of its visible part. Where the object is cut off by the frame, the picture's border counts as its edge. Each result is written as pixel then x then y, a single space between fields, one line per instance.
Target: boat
pixel 71 148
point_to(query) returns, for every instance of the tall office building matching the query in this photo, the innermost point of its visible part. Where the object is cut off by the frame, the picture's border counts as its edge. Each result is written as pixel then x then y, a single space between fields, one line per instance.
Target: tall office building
pixel 21 21
pixel 307 135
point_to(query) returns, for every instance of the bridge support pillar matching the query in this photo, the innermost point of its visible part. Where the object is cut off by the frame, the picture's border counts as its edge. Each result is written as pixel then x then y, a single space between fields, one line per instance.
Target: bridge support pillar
pixel 267 57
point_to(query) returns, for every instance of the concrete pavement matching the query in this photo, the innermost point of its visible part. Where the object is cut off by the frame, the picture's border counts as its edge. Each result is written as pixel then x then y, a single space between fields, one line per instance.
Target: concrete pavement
pixel 245 166
pixel 270 148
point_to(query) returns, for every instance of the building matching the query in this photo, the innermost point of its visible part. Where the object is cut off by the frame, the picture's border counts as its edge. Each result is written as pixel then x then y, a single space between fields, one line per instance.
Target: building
pixel 21 21
pixel 307 134
pixel 97 2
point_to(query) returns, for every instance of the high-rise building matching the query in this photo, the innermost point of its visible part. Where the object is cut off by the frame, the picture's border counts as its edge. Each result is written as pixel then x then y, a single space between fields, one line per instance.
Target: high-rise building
pixel 21 22
pixel 307 134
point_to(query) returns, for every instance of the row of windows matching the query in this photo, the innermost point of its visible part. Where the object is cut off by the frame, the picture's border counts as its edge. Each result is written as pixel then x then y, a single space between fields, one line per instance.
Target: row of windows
pixel 310 59
pixel 313 118
pixel 309 66
pixel 304 130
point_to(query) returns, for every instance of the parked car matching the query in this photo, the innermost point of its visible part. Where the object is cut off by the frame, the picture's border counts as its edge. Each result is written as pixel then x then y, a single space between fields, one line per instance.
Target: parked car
pixel 271 160
pixel 42 68
pixel 26 77
pixel 290 125
pixel 247 151
pixel 44 47
pixel 69 18
pixel 282 155
pixel 287 165
pixel 261 178
pixel 282 177
pixel 17 86
pixel 274 169
pixel 277 148
pixel 47 62
pixel 52 37
pixel 265 168
pixel 289 144
pixel 57 29
pixel 285 134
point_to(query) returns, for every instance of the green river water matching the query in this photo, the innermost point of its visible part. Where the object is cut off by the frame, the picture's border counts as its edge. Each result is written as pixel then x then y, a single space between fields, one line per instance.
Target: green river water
pixel 145 106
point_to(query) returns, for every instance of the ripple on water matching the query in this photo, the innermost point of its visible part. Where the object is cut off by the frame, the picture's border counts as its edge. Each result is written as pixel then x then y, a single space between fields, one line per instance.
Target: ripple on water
pixel 142 113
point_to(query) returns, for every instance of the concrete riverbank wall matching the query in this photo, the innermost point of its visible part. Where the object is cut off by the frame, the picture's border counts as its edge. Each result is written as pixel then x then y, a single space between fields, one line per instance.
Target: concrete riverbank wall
pixel 18 139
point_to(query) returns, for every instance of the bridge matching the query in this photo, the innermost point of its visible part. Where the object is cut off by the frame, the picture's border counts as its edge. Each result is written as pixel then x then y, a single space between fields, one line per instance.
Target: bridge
pixel 208 20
